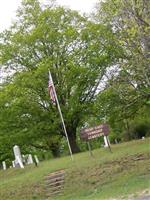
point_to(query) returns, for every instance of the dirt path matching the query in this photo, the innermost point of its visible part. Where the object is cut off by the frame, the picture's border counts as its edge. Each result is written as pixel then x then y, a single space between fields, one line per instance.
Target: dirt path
pixel 146 197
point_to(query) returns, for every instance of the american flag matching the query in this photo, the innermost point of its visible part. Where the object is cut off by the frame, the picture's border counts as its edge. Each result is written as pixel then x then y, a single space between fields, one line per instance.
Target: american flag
pixel 51 90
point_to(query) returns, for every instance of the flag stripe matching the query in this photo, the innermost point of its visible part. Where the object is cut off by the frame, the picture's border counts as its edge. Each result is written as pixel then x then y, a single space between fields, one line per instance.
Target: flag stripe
pixel 51 90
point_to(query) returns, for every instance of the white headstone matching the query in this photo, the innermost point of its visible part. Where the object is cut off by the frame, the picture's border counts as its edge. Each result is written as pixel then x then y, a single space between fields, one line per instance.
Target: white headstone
pixel 106 140
pixel 4 165
pixel 20 162
pixel 17 152
pixel 13 164
pixel 30 159
pixel 18 157
pixel 116 141
pixel 36 159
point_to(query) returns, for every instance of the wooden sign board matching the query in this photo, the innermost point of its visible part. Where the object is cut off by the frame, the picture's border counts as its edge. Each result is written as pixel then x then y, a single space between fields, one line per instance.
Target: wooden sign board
pixel 94 132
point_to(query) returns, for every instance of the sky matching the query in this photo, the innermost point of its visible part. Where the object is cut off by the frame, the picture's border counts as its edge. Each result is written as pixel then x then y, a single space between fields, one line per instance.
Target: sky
pixel 8 9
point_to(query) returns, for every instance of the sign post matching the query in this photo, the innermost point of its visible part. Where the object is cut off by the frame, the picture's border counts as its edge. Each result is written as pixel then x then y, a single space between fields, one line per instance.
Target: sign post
pixel 90 150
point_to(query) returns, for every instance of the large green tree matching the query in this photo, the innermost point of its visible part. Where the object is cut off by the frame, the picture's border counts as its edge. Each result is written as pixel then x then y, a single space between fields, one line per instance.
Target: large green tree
pixel 130 23
pixel 77 53
pixel 26 117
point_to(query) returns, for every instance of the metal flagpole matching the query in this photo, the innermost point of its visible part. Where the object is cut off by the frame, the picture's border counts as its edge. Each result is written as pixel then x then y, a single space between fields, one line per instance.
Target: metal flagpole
pixel 61 116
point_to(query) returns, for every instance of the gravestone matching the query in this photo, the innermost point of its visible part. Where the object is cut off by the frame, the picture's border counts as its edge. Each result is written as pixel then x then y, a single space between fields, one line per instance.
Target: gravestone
pixel 106 141
pixel 4 165
pixel 36 159
pixel 116 141
pixel 29 159
pixel 18 157
pixel 13 164
pixel 17 152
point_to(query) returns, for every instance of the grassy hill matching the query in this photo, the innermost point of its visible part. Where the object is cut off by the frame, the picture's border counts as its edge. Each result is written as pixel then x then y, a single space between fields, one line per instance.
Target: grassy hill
pixel 105 176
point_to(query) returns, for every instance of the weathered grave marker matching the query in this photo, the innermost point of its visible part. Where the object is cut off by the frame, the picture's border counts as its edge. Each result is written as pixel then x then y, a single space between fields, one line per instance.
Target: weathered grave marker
pixel 106 141
pixel 4 165
pixel 18 157
pixel 36 159
pixel 13 164
pixel 54 183
pixel 30 159
pixel 17 152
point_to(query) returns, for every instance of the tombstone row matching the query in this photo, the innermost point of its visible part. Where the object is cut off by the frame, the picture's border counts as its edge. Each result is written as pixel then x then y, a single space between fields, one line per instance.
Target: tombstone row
pixel 21 160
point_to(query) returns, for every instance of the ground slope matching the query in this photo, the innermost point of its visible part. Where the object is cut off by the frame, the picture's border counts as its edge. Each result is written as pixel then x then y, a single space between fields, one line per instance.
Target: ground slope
pixel 124 173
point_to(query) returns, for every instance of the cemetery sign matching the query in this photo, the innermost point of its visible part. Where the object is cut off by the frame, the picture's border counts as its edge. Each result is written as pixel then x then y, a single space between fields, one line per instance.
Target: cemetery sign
pixel 94 132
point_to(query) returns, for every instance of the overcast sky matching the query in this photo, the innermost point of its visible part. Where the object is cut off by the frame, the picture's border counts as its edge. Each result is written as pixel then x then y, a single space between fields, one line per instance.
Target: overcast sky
pixel 8 8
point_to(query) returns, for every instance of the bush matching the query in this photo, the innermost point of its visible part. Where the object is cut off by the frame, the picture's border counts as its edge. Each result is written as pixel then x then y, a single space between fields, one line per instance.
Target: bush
pixel 138 130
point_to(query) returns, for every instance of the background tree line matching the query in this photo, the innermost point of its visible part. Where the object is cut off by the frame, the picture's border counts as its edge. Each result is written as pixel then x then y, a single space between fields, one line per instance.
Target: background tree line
pixel 101 69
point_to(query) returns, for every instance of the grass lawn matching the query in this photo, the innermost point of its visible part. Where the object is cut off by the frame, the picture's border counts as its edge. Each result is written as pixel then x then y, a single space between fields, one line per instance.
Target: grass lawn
pixel 107 175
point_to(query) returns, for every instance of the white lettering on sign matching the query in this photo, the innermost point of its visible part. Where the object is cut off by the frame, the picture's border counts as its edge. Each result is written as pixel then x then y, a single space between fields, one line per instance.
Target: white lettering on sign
pixel 94 132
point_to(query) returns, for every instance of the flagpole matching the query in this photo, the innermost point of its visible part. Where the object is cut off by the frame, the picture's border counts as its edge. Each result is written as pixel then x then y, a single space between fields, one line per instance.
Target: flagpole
pixel 61 116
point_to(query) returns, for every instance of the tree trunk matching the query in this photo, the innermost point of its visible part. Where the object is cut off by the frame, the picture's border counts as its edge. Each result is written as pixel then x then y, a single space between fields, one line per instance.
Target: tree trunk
pixel 55 151
pixel 73 142
pixel 54 147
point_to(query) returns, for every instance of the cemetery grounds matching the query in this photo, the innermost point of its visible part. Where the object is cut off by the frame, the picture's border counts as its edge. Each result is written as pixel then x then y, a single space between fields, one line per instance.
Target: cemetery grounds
pixel 122 174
